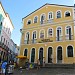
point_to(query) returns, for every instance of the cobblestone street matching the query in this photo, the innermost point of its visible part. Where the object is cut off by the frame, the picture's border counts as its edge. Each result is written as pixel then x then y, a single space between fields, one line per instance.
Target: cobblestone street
pixel 45 71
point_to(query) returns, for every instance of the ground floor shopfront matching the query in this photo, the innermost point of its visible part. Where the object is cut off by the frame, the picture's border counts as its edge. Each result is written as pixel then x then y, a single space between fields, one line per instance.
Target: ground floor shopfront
pixel 6 54
pixel 54 52
pixel 3 54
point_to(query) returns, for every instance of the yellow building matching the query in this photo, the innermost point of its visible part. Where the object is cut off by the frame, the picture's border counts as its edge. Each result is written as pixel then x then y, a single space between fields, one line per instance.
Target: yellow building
pixel 48 35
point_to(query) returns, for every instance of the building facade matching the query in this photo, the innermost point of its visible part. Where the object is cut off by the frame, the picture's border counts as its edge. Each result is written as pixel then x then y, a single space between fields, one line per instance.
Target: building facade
pixel 6 28
pixel 48 35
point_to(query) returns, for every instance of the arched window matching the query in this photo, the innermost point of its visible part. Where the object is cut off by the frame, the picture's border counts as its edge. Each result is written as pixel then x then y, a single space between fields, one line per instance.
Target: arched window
pixel 50 32
pixel 34 36
pixel 60 30
pixel 50 55
pixel 59 54
pixel 42 19
pixel 41 55
pixel 67 14
pixel 59 33
pixel 27 38
pixel 33 55
pixel 67 29
pixel 29 22
pixel 69 33
pixel 42 34
pixel 70 51
pixel 35 19
pixel 25 52
pixel 50 15
pixel 58 14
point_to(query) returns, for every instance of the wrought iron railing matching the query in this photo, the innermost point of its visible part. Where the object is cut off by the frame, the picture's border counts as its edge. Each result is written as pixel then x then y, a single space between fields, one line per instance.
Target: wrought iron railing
pixel 45 22
pixel 60 38
pixel 67 37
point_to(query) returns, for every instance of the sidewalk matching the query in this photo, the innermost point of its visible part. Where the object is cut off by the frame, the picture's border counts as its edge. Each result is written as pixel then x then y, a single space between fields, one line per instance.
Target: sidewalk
pixel 45 71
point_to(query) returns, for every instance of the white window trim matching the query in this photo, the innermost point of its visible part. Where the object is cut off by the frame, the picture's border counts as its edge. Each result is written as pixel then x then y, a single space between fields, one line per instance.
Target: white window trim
pixel 67 11
pixel 28 20
pixel 61 30
pixel 25 35
pixel 52 15
pixel 36 34
pixel 71 30
pixel 31 52
pixel 41 15
pixel 56 13
pixel 37 18
pixel 44 33
pixel 52 32
pixel 62 53
pixel 39 50
pixel 66 50
pixel 47 54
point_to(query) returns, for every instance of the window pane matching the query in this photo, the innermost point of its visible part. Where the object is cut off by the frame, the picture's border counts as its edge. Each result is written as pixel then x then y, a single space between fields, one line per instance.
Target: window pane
pixel 70 51
pixel 29 22
pixel 50 32
pixel 25 52
pixel 34 34
pixel 50 15
pixel 35 20
pixel 67 14
pixel 33 55
pixel 42 34
pixel 58 14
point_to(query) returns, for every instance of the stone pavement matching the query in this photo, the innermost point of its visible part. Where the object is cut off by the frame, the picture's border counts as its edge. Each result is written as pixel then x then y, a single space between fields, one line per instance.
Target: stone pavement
pixel 45 71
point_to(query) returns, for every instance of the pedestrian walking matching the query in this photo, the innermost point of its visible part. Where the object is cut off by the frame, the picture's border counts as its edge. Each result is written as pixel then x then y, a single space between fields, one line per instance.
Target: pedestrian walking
pixel 43 61
pixel 38 64
pixel 28 65
pixel 3 67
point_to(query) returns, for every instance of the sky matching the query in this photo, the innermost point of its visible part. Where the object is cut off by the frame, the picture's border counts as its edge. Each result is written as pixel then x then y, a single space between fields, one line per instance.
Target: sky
pixel 18 9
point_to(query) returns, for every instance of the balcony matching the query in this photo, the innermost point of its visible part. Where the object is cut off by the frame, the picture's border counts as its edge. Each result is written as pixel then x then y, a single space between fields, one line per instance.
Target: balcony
pixel 44 40
pixel 26 41
pixel 67 37
pixel 46 22
pixel 34 41
pixel 60 38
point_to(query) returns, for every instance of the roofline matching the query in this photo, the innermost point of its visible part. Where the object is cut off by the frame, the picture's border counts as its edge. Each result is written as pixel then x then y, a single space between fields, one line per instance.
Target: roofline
pixel 2 7
pixel 10 20
pixel 44 5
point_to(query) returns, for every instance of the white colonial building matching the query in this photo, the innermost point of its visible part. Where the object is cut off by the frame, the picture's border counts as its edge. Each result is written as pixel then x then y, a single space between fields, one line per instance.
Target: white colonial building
pixel 7 46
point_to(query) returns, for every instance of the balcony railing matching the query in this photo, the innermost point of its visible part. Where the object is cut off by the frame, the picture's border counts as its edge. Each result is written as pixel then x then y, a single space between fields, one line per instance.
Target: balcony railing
pixel 34 40
pixel 45 22
pixel 60 38
pixel 67 37
pixel 26 41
